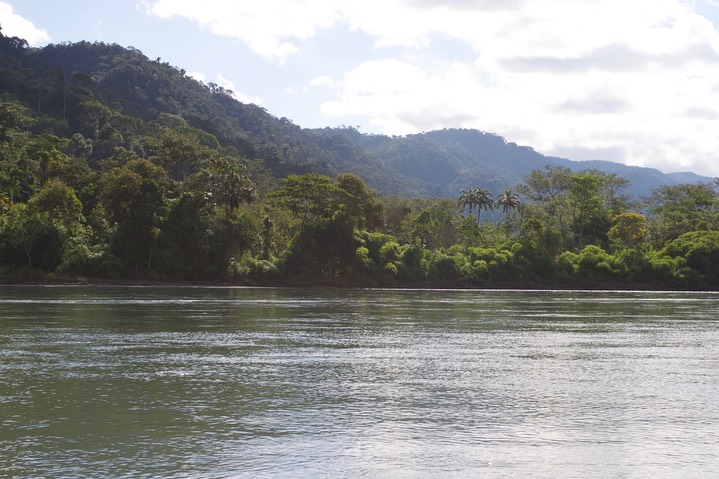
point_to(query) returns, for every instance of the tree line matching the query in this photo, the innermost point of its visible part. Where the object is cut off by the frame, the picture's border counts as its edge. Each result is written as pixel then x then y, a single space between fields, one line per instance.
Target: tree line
pixel 136 172
pixel 169 202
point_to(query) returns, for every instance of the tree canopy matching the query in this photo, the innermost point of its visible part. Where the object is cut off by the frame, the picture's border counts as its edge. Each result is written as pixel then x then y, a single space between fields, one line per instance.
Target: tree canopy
pixel 116 166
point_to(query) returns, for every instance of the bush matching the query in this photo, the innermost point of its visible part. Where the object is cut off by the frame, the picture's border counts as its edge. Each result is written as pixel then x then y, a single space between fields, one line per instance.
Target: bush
pixel 700 252
pixel 594 262
pixel 635 264
pixel 390 252
pixel 411 264
pixel 443 267
pixel 662 267
pixel 251 269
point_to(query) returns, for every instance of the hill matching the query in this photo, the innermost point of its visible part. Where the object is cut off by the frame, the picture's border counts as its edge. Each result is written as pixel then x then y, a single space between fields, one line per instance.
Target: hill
pixel 450 160
pixel 58 81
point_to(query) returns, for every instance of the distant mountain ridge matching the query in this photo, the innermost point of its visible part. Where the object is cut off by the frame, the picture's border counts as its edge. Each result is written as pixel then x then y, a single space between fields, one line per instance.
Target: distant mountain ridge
pixel 123 80
pixel 447 161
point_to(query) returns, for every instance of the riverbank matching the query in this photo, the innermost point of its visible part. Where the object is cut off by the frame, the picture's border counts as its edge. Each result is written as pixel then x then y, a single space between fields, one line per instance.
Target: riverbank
pixel 574 284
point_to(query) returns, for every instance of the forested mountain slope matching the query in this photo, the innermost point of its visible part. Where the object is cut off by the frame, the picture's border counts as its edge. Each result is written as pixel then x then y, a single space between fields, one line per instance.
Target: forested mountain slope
pixel 57 79
pixel 450 160
pixel 98 88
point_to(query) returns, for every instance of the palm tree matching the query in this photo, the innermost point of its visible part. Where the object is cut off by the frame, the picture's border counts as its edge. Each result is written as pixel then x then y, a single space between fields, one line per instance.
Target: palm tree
pixel 467 198
pixel 508 201
pixel 483 199
pixel 478 197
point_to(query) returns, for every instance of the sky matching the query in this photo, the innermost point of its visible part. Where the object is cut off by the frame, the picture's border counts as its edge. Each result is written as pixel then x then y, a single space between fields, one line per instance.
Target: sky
pixel 630 81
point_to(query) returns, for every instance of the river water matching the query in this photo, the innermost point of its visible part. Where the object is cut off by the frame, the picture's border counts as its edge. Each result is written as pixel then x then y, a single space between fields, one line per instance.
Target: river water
pixel 147 382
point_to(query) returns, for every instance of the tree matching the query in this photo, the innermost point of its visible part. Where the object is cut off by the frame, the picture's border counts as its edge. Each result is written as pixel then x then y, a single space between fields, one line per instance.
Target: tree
pixel 47 228
pixel 182 150
pixel 467 199
pixel 700 253
pixel 628 231
pixel 425 228
pixel 548 190
pixel 310 197
pixel 18 171
pixel 586 205
pixel 12 45
pixel 678 209
pixel 508 201
pixel 544 186
pixel 358 202
pixel 483 200
pixel 224 183
pixel 132 197
pixel 479 197
pixel 22 229
pixel 594 199
pixel 579 206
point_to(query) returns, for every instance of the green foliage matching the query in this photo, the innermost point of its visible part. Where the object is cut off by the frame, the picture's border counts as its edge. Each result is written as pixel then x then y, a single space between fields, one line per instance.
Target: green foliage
pixel 629 230
pixel 132 197
pixel 357 202
pixel 321 252
pixel 699 252
pixel 312 198
pixel 508 201
pixel 479 197
pixel 412 267
pixel 131 169
pixel 48 229
pixel 182 150
pixel 681 209
pixel 254 270
pixel 591 262
pixel 18 171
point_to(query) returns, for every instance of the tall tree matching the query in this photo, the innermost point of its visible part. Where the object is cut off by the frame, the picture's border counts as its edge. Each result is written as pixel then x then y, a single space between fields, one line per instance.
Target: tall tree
pixel 132 197
pixel 628 231
pixel 310 197
pixel 595 198
pixel 479 197
pixel 548 190
pixel 18 171
pixel 508 200
pixel 483 200
pixel 467 199
pixel 358 202
pixel 675 210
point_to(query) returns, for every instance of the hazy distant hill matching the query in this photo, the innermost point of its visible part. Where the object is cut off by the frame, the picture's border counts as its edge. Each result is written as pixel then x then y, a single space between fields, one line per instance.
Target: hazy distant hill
pixel 450 160
pixel 65 81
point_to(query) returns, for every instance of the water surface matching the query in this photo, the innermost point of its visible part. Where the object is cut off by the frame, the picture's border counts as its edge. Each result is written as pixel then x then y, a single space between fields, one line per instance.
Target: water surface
pixel 148 382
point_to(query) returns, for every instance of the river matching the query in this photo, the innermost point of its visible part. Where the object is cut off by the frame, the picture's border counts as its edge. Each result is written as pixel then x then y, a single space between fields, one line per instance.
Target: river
pixel 148 382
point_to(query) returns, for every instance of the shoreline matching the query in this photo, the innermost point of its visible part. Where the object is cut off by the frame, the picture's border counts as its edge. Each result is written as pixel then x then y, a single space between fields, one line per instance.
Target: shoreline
pixel 574 285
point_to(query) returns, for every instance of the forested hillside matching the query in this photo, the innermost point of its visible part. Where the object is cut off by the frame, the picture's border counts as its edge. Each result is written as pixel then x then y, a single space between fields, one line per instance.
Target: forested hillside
pixel 450 160
pixel 115 166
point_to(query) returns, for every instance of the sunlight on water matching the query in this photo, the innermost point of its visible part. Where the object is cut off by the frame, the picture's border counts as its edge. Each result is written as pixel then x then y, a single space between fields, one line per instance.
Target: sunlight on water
pixel 239 382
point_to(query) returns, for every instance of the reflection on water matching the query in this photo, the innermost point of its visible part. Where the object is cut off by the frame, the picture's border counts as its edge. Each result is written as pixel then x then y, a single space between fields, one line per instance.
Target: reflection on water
pixel 233 382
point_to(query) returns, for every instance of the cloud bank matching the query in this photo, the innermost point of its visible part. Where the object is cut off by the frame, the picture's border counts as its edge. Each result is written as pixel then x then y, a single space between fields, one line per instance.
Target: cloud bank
pixel 13 25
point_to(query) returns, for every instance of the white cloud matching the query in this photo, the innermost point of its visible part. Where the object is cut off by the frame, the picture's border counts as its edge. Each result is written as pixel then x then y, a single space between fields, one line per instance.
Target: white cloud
pixel 322 81
pixel 13 25
pixel 395 92
pixel 228 85
pixel 238 95
pixel 269 27
pixel 197 76
pixel 637 79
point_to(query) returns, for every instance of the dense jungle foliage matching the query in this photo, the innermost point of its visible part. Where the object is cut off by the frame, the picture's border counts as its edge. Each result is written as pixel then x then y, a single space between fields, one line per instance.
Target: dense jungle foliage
pixel 133 171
